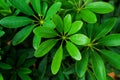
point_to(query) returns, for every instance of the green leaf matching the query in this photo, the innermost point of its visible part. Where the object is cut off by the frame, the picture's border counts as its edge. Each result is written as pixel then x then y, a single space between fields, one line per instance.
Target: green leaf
pixel 45 32
pixel 22 6
pixel 36 6
pixel 14 76
pixel 15 21
pixel 49 24
pixel 24 76
pixel 52 10
pixel 44 8
pixel 29 62
pixel 58 22
pixel 1 33
pixel 88 16
pixel 105 28
pixel 100 7
pixel 76 26
pixel 1 77
pixel 24 70
pixel 5 66
pixel 90 75
pixel 81 66
pixel 79 39
pixel 36 41
pixel 73 51
pixel 112 57
pixel 111 40
pixel 18 38
pixel 45 47
pixel 98 67
pixel 67 23
pixel 57 59
pixel 3 4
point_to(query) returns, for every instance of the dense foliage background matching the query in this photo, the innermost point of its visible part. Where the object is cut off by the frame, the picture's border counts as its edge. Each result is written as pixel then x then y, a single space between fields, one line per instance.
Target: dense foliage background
pixel 59 39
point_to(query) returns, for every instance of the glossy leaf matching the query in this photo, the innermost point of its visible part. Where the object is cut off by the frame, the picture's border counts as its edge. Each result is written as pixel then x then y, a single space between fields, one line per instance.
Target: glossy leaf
pixel 22 6
pixel 105 27
pixel 112 57
pixel 1 77
pixel 3 4
pixel 76 26
pixel 15 21
pixel 81 66
pixel 5 66
pixel 45 32
pixel 49 24
pixel 88 16
pixel 24 76
pixel 111 40
pixel 1 33
pixel 36 41
pixel 44 8
pixel 36 6
pixel 100 7
pixel 18 38
pixel 24 70
pixel 58 22
pixel 79 39
pixel 67 23
pixel 98 67
pixel 73 51
pixel 57 59
pixel 45 47
pixel 52 10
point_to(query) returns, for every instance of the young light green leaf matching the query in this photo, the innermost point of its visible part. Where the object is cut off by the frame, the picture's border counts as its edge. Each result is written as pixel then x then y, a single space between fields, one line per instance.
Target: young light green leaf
pixel 98 67
pixel 36 6
pixel 58 22
pixel 24 70
pixel 52 10
pixel 18 38
pixel 81 66
pixel 45 32
pixel 57 59
pixel 100 7
pixel 45 47
pixel 22 6
pixel 1 33
pixel 73 51
pixel 105 27
pixel 44 8
pixel 36 41
pixel 111 40
pixel 79 39
pixel 15 21
pixel 49 24
pixel 112 57
pixel 88 16
pixel 67 23
pixel 24 76
pixel 76 26
pixel 5 66
pixel 1 77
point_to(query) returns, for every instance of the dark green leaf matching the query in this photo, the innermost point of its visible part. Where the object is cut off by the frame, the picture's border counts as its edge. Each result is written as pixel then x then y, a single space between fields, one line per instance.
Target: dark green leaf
pixel 45 47
pixel 67 23
pixel 3 4
pixel 36 41
pixel 29 62
pixel 45 32
pixel 57 59
pixel 90 76
pixel 18 38
pixel 88 16
pixel 15 21
pixel 98 67
pixel 105 27
pixel 81 66
pixel 100 7
pixel 111 40
pixel 79 39
pixel 24 76
pixel 24 70
pixel 22 6
pixel 36 6
pixel 52 10
pixel 14 76
pixel 1 77
pixel 112 57
pixel 58 22
pixel 5 66
pixel 73 51
pixel 76 26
